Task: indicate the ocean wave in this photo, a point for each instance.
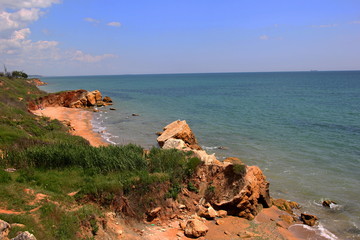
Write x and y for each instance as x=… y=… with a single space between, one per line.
x=333 y=206
x=318 y=232
x=98 y=126
x=214 y=148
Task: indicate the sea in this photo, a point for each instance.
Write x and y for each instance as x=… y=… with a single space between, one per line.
x=301 y=128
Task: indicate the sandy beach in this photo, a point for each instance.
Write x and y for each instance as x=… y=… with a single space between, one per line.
x=80 y=120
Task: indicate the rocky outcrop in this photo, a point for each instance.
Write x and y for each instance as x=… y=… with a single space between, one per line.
x=36 y=82
x=73 y=99
x=179 y=130
x=230 y=185
x=241 y=194
x=284 y=205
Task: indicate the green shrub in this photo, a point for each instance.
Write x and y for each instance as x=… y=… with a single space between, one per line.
x=239 y=169
x=173 y=191
x=191 y=187
x=192 y=164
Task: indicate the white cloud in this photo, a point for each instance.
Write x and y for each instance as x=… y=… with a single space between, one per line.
x=92 y=20
x=18 y=19
x=21 y=34
x=19 y=45
x=264 y=37
x=355 y=22
x=16 y=47
x=16 y=4
x=114 y=24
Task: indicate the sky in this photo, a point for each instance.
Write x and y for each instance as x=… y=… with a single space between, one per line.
x=103 y=37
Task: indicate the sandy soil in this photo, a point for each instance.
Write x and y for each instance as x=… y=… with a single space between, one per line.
x=80 y=120
x=265 y=226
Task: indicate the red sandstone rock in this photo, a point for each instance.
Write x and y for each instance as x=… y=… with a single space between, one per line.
x=72 y=99
x=195 y=228
x=37 y=82
x=239 y=195
x=107 y=99
x=309 y=219
x=179 y=130
x=233 y=160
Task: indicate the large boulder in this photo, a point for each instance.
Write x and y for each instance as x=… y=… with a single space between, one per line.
x=175 y=143
x=240 y=193
x=195 y=228
x=308 y=219
x=24 y=236
x=4 y=229
x=107 y=99
x=208 y=213
x=93 y=97
x=179 y=130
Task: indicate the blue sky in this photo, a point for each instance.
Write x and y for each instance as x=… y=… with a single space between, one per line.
x=86 y=37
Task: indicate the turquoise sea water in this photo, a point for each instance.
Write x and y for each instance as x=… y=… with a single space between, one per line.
x=301 y=128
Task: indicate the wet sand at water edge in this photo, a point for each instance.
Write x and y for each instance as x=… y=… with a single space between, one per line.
x=79 y=119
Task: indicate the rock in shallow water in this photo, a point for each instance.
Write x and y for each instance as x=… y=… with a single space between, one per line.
x=328 y=203
x=308 y=219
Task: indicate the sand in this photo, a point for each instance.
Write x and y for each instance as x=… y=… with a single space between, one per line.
x=80 y=120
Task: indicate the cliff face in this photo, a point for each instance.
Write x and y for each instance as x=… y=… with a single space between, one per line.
x=72 y=99
x=230 y=185
x=240 y=193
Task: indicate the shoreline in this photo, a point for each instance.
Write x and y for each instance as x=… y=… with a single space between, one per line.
x=80 y=121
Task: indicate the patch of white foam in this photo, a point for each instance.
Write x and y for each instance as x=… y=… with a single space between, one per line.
x=98 y=126
x=210 y=148
x=319 y=232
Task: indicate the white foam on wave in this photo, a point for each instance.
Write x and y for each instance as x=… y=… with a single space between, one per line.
x=332 y=205
x=210 y=148
x=319 y=231
x=98 y=126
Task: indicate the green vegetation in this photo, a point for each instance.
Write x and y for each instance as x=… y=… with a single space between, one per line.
x=239 y=169
x=19 y=74
x=19 y=128
x=52 y=162
x=98 y=175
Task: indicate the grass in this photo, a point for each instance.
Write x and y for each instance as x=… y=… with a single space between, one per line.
x=98 y=175
x=52 y=162
x=19 y=128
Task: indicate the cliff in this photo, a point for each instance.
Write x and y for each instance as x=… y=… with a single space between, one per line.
x=71 y=99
